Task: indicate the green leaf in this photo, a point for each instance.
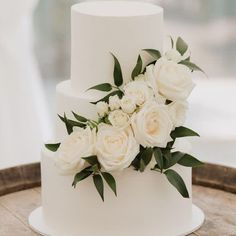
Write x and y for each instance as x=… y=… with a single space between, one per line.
x=92 y=160
x=142 y=165
x=117 y=73
x=156 y=168
x=69 y=127
x=170 y=145
x=85 y=173
x=191 y=66
x=52 y=146
x=154 y=53
x=189 y=161
x=176 y=180
x=145 y=158
x=110 y=181
x=106 y=120
x=138 y=68
x=94 y=168
x=71 y=123
x=79 y=117
x=106 y=98
x=147 y=155
x=182 y=131
x=172 y=42
x=76 y=124
x=166 y=158
x=158 y=157
x=173 y=159
x=61 y=118
x=181 y=46
x=98 y=182
x=106 y=87
x=136 y=162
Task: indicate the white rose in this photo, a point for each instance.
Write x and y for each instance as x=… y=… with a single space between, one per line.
x=128 y=104
x=172 y=80
x=114 y=102
x=139 y=91
x=173 y=55
x=116 y=149
x=177 y=111
x=152 y=125
x=102 y=108
x=151 y=80
x=78 y=144
x=119 y=119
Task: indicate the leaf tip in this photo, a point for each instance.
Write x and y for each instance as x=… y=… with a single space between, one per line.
x=186 y=195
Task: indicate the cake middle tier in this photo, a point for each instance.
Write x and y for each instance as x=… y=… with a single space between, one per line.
x=104 y=27
x=67 y=100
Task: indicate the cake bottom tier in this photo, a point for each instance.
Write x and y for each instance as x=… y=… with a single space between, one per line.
x=146 y=204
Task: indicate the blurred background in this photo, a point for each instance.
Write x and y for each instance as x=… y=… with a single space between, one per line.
x=41 y=34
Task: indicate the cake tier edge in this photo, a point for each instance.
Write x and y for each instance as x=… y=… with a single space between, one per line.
x=68 y=100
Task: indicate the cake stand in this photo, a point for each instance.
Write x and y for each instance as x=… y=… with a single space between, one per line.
x=37 y=223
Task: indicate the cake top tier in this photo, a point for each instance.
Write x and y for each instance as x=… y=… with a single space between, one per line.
x=117 y=8
x=100 y=28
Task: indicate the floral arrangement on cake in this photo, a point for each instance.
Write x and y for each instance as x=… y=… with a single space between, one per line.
x=138 y=123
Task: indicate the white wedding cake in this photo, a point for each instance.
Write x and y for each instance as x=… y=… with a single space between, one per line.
x=146 y=204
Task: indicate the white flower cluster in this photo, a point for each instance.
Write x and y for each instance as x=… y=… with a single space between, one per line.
x=153 y=104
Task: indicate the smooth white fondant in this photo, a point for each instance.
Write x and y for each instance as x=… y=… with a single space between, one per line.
x=117 y=8
x=124 y=32
x=146 y=202
x=67 y=100
x=38 y=224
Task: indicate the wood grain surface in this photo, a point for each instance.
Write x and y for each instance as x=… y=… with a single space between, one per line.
x=28 y=176
x=215 y=176
x=218 y=206
x=19 y=178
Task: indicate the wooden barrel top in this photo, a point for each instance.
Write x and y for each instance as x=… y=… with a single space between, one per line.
x=19 y=178
x=218 y=206
x=28 y=176
x=20 y=194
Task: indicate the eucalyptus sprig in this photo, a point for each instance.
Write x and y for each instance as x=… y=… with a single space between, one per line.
x=53 y=147
x=95 y=170
x=191 y=66
x=138 y=68
x=181 y=46
x=107 y=87
x=117 y=73
x=154 y=53
x=165 y=158
x=119 y=93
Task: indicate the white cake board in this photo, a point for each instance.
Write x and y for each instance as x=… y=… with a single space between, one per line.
x=37 y=223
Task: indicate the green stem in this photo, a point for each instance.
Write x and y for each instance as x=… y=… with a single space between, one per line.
x=118 y=88
x=91 y=124
x=94 y=122
x=115 y=87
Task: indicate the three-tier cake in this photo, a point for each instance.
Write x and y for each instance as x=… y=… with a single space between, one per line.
x=146 y=203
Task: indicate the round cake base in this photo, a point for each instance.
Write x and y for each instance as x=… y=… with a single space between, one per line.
x=37 y=223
